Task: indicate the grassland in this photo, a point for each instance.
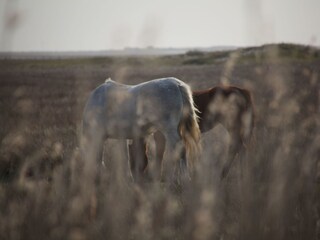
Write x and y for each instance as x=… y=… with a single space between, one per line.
x=43 y=191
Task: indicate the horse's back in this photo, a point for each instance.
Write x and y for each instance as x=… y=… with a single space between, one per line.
x=159 y=86
x=159 y=100
x=163 y=91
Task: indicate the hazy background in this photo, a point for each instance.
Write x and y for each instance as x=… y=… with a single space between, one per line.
x=60 y=25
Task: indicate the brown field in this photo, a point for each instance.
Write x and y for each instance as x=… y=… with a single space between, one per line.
x=43 y=190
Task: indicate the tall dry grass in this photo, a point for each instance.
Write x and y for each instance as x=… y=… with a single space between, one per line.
x=272 y=191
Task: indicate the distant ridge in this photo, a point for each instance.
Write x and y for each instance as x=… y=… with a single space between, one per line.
x=150 y=51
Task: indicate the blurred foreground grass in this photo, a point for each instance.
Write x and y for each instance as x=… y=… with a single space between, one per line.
x=43 y=190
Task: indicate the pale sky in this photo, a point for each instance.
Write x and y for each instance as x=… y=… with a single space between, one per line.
x=71 y=25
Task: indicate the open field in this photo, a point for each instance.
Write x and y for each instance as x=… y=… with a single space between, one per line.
x=43 y=192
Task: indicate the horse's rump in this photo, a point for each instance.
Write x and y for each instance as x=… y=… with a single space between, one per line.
x=232 y=107
x=229 y=105
x=246 y=117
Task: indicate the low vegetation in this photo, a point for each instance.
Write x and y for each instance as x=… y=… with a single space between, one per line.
x=272 y=191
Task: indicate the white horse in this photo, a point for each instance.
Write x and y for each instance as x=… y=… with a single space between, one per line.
x=120 y=111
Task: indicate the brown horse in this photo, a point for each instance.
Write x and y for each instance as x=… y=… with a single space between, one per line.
x=230 y=106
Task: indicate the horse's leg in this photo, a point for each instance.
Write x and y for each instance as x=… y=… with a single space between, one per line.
x=234 y=148
x=99 y=158
x=138 y=158
x=92 y=150
x=174 y=168
x=160 y=143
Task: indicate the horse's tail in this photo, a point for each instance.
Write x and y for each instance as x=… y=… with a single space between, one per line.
x=247 y=118
x=188 y=126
